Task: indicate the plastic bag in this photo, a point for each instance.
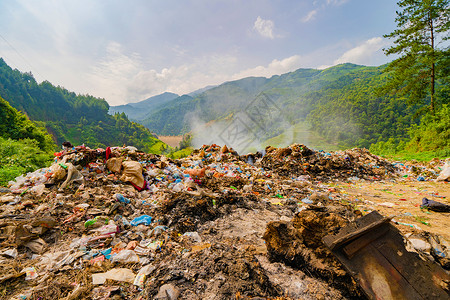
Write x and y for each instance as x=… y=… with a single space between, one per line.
x=445 y=173
x=73 y=175
x=57 y=170
x=38 y=189
x=107 y=229
x=126 y=256
x=144 y=219
x=434 y=205
x=132 y=172
x=118 y=274
x=121 y=198
x=178 y=187
x=194 y=236
x=19 y=181
x=31 y=273
x=168 y=291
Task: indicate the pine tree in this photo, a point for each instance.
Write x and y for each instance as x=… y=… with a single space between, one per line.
x=422 y=29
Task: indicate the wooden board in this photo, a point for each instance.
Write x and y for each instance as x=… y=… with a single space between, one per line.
x=361 y=226
x=377 y=259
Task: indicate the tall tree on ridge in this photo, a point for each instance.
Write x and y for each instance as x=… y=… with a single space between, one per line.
x=422 y=29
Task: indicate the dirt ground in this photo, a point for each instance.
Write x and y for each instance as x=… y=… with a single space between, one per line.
x=401 y=199
x=171 y=140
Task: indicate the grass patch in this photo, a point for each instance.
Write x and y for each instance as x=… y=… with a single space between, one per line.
x=158 y=147
x=418 y=156
x=180 y=153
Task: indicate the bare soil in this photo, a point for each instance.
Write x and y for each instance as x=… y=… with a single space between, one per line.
x=171 y=140
x=401 y=199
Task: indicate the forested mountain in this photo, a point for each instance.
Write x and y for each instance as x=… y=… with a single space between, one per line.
x=139 y=110
x=178 y=107
x=72 y=117
x=340 y=103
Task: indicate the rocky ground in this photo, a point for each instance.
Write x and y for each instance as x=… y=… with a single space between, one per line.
x=121 y=224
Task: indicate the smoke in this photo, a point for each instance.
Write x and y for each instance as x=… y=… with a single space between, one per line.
x=246 y=130
x=264 y=122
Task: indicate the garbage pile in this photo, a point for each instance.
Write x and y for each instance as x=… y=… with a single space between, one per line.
x=432 y=170
x=297 y=160
x=118 y=223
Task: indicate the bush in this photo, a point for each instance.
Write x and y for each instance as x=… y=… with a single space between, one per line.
x=16 y=125
x=20 y=156
x=432 y=134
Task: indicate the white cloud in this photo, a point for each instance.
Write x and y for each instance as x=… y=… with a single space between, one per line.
x=321 y=5
x=122 y=78
x=336 y=2
x=363 y=54
x=276 y=67
x=310 y=16
x=264 y=27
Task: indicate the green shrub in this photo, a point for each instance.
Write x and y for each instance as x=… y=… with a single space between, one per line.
x=20 y=156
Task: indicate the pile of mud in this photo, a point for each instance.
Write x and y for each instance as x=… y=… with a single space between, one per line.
x=117 y=223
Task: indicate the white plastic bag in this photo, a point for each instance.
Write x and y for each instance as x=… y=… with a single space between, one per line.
x=445 y=173
x=126 y=256
x=118 y=274
x=73 y=175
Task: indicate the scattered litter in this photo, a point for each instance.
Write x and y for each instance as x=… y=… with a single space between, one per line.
x=144 y=226
x=31 y=273
x=445 y=173
x=434 y=205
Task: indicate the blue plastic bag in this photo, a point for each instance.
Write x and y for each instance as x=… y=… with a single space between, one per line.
x=144 y=219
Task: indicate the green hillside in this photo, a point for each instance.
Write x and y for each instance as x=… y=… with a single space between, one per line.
x=17 y=126
x=339 y=107
x=72 y=117
x=339 y=103
x=24 y=147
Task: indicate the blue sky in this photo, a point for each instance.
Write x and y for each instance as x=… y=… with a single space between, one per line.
x=126 y=51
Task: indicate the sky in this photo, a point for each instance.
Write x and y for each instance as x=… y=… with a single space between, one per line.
x=126 y=51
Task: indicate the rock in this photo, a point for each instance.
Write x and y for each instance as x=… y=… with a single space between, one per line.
x=168 y=292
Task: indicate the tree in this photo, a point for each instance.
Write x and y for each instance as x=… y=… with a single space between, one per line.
x=422 y=31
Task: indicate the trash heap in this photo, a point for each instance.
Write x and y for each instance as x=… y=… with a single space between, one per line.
x=298 y=160
x=423 y=171
x=118 y=223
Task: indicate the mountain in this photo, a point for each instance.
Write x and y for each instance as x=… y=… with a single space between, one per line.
x=215 y=103
x=140 y=110
x=72 y=117
x=178 y=106
x=339 y=104
x=199 y=91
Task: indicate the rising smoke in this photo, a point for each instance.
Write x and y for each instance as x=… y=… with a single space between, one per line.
x=247 y=130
